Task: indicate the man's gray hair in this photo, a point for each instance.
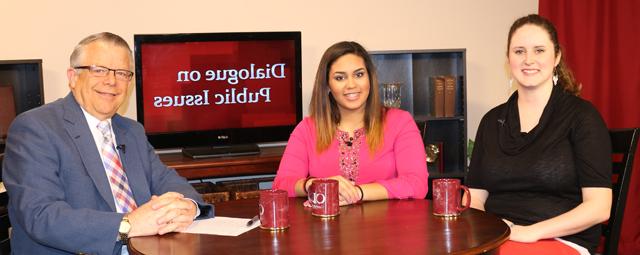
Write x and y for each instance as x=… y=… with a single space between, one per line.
x=102 y=37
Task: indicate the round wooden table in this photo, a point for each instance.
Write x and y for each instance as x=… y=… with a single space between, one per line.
x=381 y=227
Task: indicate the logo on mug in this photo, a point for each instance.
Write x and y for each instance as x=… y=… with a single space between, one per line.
x=318 y=198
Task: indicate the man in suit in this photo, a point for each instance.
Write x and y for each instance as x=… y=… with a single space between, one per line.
x=83 y=179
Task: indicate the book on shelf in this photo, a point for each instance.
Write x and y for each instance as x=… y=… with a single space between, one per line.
x=449 y=96
x=437 y=96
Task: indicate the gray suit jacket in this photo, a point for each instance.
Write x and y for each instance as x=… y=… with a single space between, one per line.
x=59 y=197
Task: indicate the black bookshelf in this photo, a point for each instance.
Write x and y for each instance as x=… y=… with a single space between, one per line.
x=414 y=69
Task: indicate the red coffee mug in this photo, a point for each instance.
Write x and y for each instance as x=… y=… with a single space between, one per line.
x=274 y=209
x=323 y=197
x=446 y=197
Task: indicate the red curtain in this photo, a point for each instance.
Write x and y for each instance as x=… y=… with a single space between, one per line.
x=601 y=44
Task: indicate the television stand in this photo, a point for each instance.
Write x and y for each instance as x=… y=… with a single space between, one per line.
x=221 y=151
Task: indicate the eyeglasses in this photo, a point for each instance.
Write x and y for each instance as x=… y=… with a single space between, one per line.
x=101 y=71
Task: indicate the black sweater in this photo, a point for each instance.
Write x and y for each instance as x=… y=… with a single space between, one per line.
x=538 y=175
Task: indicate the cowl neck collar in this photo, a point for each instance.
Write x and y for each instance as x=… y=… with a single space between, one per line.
x=511 y=140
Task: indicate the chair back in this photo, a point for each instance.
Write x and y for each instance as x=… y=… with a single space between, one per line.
x=5 y=225
x=623 y=144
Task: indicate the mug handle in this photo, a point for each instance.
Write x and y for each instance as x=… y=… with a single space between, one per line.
x=310 y=191
x=467 y=201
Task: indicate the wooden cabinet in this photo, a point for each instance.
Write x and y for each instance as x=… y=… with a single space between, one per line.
x=266 y=162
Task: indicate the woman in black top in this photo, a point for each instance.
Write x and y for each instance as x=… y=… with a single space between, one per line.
x=542 y=160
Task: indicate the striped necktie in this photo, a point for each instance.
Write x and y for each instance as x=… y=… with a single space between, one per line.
x=115 y=173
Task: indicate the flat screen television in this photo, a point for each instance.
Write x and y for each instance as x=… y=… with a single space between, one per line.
x=20 y=90
x=221 y=90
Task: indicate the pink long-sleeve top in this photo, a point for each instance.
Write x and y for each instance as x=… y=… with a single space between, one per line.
x=399 y=166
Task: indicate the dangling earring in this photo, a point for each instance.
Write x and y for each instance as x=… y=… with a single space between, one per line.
x=510 y=88
x=555 y=79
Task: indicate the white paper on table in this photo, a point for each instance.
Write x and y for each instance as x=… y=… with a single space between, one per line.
x=223 y=226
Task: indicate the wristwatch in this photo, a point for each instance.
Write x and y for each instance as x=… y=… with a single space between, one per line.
x=124 y=229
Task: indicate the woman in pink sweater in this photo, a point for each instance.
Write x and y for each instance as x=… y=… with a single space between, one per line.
x=374 y=152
